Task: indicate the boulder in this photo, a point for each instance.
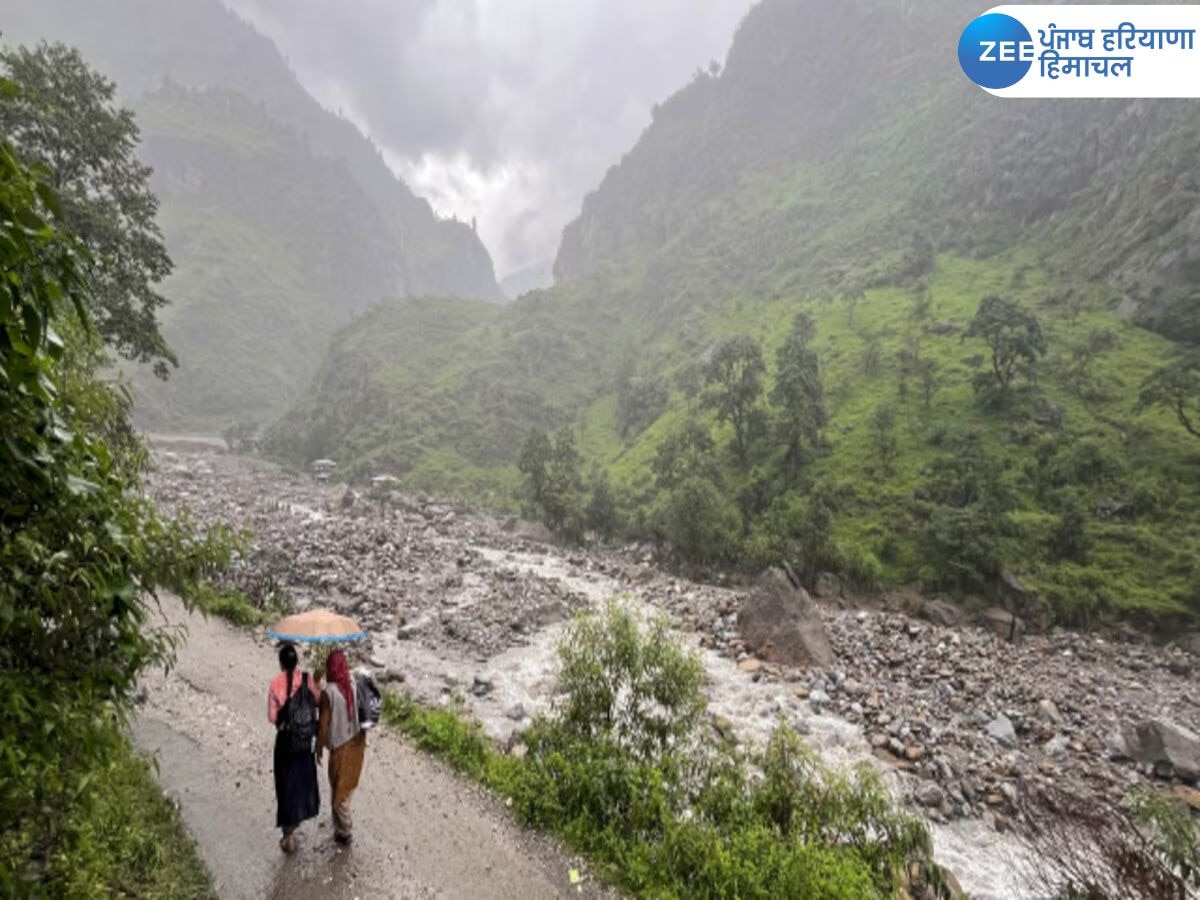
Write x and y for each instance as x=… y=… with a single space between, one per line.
x=1000 y=622
x=928 y=793
x=780 y=622
x=827 y=586
x=1190 y=643
x=1165 y=744
x=533 y=531
x=940 y=612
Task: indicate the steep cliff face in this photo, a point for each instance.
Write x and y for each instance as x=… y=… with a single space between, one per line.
x=282 y=219
x=838 y=135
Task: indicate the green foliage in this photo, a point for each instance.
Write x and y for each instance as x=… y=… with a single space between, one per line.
x=602 y=514
x=734 y=376
x=798 y=395
x=1015 y=339
x=62 y=117
x=534 y=463
x=700 y=523
x=883 y=437
x=1174 y=835
x=129 y=842
x=628 y=684
x=555 y=486
x=687 y=452
x=1175 y=387
x=621 y=770
x=961 y=549
x=233 y=605
x=640 y=400
x=797 y=531
x=79 y=547
x=1069 y=539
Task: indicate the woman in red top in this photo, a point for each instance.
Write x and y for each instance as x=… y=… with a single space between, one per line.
x=296 y=793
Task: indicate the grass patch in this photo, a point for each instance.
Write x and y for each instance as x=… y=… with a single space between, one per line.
x=121 y=838
x=234 y=606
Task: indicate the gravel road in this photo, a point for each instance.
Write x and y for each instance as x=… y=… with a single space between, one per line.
x=420 y=831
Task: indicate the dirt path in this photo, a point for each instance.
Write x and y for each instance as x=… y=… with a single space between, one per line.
x=419 y=830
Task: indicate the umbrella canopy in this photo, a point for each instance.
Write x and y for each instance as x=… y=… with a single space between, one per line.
x=316 y=626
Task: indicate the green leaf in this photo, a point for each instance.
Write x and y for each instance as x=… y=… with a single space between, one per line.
x=49 y=199
x=81 y=486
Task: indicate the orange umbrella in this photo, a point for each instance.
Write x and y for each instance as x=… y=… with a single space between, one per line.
x=316 y=626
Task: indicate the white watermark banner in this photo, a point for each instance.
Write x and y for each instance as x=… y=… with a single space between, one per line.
x=1084 y=51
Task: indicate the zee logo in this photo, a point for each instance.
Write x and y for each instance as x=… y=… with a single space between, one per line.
x=1006 y=51
x=995 y=51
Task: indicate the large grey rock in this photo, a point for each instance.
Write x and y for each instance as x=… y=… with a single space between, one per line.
x=940 y=612
x=927 y=793
x=1190 y=643
x=1164 y=743
x=781 y=623
x=1000 y=622
x=827 y=586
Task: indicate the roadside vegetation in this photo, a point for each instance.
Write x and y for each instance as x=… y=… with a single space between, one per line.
x=81 y=551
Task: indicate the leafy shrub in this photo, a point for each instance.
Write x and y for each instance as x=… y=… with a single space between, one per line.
x=639 y=402
x=105 y=849
x=797 y=531
x=80 y=548
x=961 y=548
x=701 y=524
x=1078 y=595
x=1069 y=538
x=622 y=770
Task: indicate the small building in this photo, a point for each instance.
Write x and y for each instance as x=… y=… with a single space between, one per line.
x=322 y=468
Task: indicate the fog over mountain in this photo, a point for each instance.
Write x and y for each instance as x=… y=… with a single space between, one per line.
x=505 y=111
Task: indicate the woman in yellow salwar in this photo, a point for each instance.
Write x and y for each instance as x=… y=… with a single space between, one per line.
x=339 y=731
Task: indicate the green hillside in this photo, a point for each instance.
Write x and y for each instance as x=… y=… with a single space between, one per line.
x=274 y=247
x=840 y=166
x=281 y=218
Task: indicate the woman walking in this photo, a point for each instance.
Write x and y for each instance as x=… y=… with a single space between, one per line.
x=292 y=709
x=347 y=742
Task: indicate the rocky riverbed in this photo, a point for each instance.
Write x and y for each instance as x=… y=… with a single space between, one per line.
x=468 y=604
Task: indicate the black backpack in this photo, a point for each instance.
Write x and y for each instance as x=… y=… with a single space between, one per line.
x=299 y=718
x=370 y=701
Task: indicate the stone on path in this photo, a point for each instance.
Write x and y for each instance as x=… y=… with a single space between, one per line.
x=1001 y=728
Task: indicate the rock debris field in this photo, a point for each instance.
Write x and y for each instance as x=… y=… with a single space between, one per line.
x=468 y=606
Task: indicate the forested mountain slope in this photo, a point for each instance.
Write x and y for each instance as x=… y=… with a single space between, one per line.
x=309 y=227
x=840 y=166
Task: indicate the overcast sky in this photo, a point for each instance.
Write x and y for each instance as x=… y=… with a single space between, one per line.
x=504 y=110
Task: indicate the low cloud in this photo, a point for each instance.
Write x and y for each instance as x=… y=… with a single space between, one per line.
x=506 y=111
